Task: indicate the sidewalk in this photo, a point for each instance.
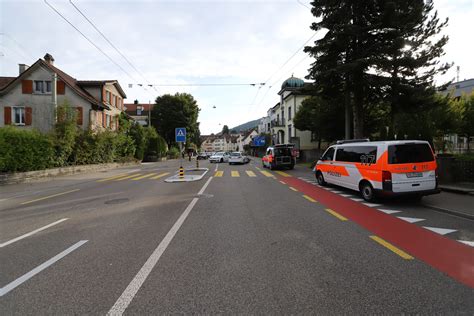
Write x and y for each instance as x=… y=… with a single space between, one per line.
x=459 y=187
x=454 y=203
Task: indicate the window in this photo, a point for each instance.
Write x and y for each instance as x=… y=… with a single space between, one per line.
x=113 y=100
x=329 y=154
x=409 y=153
x=107 y=120
x=289 y=114
x=18 y=115
x=289 y=132
x=139 y=110
x=42 y=86
x=361 y=154
x=107 y=96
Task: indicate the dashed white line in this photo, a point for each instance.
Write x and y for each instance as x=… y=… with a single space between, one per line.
x=441 y=231
x=357 y=199
x=388 y=211
x=25 y=277
x=411 y=219
x=372 y=204
x=11 y=241
x=466 y=242
x=129 y=293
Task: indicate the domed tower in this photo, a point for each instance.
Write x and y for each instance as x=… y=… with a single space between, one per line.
x=292 y=83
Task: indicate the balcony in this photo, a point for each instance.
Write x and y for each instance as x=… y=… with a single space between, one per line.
x=278 y=123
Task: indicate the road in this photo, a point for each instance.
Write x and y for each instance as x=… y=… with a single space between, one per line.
x=241 y=240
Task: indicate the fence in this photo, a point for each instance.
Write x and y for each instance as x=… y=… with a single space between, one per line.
x=451 y=170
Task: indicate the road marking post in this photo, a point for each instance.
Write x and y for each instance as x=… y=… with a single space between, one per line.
x=391 y=247
x=25 y=277
x=11 y=241
x=49 y=196
x=333 y=213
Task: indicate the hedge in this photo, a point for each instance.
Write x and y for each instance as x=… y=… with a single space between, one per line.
x=25 y=150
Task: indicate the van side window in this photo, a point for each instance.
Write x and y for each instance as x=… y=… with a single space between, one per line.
x=329 y=154
x=360 y=154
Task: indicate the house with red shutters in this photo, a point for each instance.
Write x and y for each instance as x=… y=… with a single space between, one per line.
x=140 y=112
x=29 y=100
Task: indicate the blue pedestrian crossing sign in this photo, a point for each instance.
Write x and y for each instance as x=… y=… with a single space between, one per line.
x=180 y=134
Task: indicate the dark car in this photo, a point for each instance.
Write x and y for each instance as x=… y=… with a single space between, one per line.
x=279 y=156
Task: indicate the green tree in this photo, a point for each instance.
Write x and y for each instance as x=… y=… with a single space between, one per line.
x=172 y=111
x=323 y=119
x=64 y=133
x=465 y=109
x=137 y=133
x=408 y=55
x=225 y=130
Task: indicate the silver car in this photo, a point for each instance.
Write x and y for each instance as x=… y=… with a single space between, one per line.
x=219 y=157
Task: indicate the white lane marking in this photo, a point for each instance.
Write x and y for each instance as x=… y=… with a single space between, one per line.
x=441 y=231
x=204 y=186
x=346 y=195
x=411 y=219
x=129 y=293
x=469 y=243
x=388 y=211
x=337 y=192
x=357 y=199
x=217 y=166
x=11 y=241
x=25 y=277
x=372 y=204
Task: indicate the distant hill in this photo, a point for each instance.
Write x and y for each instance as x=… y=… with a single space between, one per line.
x=245 y=126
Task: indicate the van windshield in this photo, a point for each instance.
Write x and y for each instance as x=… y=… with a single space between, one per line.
x=409 y=153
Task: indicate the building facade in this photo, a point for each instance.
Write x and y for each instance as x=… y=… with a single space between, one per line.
x=140 y=112
x=30 y=100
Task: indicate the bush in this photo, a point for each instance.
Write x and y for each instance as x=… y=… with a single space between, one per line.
x=64 y=134
x=138 y=134
x=156 y=145
x=173 y=153
x=24 y=150
x=125 y=147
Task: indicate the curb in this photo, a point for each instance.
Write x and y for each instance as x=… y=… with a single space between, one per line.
x=444 y=210
x=453 y=190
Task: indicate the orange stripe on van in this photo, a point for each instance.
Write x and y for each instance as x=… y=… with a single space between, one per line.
x=331 y=168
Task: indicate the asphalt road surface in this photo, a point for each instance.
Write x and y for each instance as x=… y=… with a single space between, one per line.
x=241 y=240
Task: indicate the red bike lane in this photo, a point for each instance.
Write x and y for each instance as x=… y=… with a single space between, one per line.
x=446 y=255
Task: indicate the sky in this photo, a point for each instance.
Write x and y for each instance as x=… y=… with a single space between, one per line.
x=191 y=42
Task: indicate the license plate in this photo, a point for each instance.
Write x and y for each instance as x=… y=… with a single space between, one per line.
x=414 y=175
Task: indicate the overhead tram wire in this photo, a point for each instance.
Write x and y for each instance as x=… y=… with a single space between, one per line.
x=89 y=40
x=204 y=84
x=110 y=43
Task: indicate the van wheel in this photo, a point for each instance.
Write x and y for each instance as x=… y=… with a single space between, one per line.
x=367 y=191
x=320 y=178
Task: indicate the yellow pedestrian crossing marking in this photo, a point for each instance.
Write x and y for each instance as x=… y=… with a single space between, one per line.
x=127 y=177
x=144 y=176
x=309 y=199
x=219 y=173
x=112 y=178
x=160 y=175
x=284 y=174
x=250 y=173
x=234 y=173
x=267 y=174
x=342 y=218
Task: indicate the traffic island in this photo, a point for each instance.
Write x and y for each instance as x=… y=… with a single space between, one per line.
x=190 y=174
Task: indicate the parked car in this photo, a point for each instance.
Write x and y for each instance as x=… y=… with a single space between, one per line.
x=237 y=158
x=279 y=156
x=390 y=168
x=202 y=156
x=219 y=157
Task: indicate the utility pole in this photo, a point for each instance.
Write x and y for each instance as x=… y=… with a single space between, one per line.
x=149 y=113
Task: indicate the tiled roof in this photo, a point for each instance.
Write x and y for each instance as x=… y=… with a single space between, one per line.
x=4 y=81
x=133 y=106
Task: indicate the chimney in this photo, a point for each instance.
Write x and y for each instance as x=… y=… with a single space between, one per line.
x=22 y=68
x=49 y=59
x=135 y=102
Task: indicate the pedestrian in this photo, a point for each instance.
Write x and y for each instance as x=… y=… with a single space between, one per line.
x=182 y=154
x=189 y=155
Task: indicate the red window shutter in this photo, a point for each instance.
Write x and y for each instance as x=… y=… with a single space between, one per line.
x=27 y=86
x=61 y=87
x=7 y=115
x=28 y=115
x=104 y=95
x=103 y=119
x=79 y=115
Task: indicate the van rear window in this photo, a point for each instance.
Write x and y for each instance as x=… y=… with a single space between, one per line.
x=282 y=151
x=409 y=153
